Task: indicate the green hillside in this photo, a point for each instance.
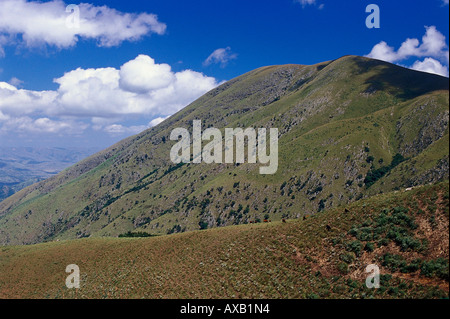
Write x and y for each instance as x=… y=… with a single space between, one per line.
x=405 y=233
x=348 y=129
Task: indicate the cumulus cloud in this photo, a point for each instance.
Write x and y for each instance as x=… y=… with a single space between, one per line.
x=121 y=129
x=430 y=65
x=140 y=88
x=40 y=125
x=117 y=129
x=142 y=75
x=433 y=44
x=220 y=56
x=156 y=121
x=382 y=51
x=35 y=23
x=17 y=102
x=433 y=48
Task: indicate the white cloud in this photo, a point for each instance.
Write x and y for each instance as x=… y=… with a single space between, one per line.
x=445 y=2
x=15 y=82
x=3 y=42
x=3 y=117
x=15 y=101
x=433 y=44
x=46 y=125
x=7 y=86
x=433 y=48
x=221 y=55
x=382 y=51
x=35 y=23
x=156 y=121
x=430 y=65
x=40 y=125
x=142 y=75
x=120 y=129
x=140 y=88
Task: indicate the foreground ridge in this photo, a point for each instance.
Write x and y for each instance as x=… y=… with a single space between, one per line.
x=405 y=233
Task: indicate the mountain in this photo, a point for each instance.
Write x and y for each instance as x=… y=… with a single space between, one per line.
x=349 y=129
x=23 y=166
x=405 y=233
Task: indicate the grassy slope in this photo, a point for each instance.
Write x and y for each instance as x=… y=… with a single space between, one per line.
x=327 y=115
x=297 y=259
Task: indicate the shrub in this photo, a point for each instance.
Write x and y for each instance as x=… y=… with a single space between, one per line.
x=355 y=246
x=347 y=257
x=436 y=268
x=413 y=266
x=369 y=247
x=385 y=278
x=375 y=174
x=383 y=242
x=136 y=234
x=365 y=234
x=343 y=267
x=393 y=262
x=393 y=291
x=203 y=225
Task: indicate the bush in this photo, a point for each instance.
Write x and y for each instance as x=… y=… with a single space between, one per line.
x=365 y=234
x=412 y=267
x=203 y=225
x=383 y=242
x=384 y=279
x=343 y=268
x=136 y=234
x=370 y=159
x=355 y=246
x=375 y=174
x=393 y=262
x=347 y=257
x=393 y=291
x=409 y=243
x=436 y=268
x=369 y=247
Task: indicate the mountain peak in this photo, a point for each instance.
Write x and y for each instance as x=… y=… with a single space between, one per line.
x=348 y=129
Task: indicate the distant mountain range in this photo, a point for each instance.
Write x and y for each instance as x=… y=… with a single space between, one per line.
x=23 y=166
x=349 y=129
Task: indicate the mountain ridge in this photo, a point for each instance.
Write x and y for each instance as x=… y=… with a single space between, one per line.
x=335 y=108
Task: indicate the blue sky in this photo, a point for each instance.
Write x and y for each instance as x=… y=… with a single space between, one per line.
x=130 y=64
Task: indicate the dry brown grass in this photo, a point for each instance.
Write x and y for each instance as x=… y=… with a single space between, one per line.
x=296 y=259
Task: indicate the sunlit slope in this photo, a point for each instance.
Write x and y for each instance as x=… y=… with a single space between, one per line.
x=405 y=233
x=339 y=122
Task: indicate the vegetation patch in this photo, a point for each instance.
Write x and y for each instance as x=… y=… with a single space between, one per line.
x=136 y=234
x=375 y=174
